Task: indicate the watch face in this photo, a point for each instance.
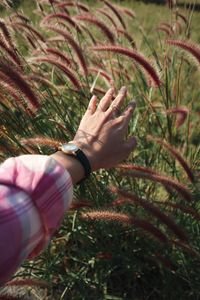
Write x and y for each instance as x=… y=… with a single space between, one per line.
x=69 y=148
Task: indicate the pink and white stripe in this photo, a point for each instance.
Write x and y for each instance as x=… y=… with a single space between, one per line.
x=35 y=191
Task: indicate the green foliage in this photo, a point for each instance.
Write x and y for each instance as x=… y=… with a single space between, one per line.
x=95 y=258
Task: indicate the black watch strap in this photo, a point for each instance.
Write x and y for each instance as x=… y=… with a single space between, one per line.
x=73 y=150
x=85 y=163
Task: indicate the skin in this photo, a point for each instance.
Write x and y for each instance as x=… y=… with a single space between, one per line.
x=101 y=135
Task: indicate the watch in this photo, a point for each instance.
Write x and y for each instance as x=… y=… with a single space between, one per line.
x=72 y=149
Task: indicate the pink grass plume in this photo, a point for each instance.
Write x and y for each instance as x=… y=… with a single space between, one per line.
x=176 y=155
x=104 y=12
x=154 y=210
x=74 y=4
x=60 y=65
x=190 y=47
x=137 y=57
x=181 y=114
x=61 y=16
x=115 y=10
x=69 y=38
x=41 y=141
x=15 y=78
x=92 y=19
x=125 y=220
x=147 y=173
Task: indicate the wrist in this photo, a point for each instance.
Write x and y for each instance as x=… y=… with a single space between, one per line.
x=71 y=164
x=87 y=150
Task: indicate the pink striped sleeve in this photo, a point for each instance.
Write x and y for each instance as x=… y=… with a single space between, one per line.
x=35 y=191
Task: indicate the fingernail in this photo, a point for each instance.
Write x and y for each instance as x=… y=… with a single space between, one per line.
x=123 y=89
x=112 y=83
x=130 y=109
x=93 y=97
x=132 y=104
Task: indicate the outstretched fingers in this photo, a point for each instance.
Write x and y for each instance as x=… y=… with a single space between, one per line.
x=118 y=101
x=106 y=100
x=92 y=105
x=106 y=103
x=128 y=113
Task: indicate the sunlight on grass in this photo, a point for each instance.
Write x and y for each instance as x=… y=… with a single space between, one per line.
x=132 y=232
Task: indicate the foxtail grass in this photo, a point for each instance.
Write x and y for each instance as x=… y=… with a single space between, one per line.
x=127 y=36
x=73 y=44
x=176 y=155
x=190 y=47
x=40 y=80
x=77 y=5
x=155 y=211
x=104 y=12
x=21 y=17
x=116 y=12
x=41 y=141
x=103 y=73
x=10 y=53
x=129 y=12
x=28 y=282
x=137 y=57
x=92 y=19
x=187 y=210
x=182 y=17
x=61 y=16
x=78 y=204
x=165 y=29
x=181 y=114
x=28 y=28
x=59 y=54
x=13 y=96
x=60 y=65
x=15 y=78
x=89 y=33
x=125 y=220
x=6 y=34
x=147 y=173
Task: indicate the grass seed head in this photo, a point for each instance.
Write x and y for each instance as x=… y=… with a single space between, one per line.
x=156 y=212
x=181 y=113
x=60 y=65
x=100 y=24
x=61 y=16
x=115 y=10
x=74 y=45
x=74 y=4
x=41 y=141
x=137 y=57
x=152 y=175
x=16 y=78
x=108 y=16
x=173 y=151
x=190 y=47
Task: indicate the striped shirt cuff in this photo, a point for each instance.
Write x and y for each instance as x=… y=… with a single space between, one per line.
x=49 y=187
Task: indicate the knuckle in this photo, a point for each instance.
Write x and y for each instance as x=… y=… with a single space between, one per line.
x=119 y=120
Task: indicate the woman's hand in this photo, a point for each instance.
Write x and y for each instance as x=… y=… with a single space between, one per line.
x=101 y=133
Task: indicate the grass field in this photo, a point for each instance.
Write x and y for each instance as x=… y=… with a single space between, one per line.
x=156 y=54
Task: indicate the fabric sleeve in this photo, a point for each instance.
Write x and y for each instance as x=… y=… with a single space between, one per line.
x=35 y=191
